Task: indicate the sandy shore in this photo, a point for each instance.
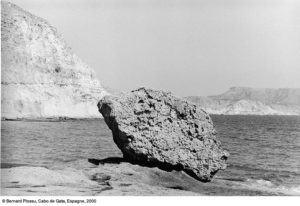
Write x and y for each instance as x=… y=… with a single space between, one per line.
x=114 y=177
x=106 y=179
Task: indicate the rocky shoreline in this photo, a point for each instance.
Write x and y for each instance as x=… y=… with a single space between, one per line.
x=113 y=178
x=169 y=144
x=116 y=177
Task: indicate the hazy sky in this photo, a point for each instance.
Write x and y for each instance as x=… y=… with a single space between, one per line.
x=188 y=47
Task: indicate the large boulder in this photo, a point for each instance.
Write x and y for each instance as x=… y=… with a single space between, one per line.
x=154 y=128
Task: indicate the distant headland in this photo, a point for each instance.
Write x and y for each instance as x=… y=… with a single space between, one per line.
x=252 y=101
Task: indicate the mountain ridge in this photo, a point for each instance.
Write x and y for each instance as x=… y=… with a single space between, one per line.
x=288 y=96
x=256 y=101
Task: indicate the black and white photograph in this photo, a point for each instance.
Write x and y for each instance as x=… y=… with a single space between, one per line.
x=150 y=98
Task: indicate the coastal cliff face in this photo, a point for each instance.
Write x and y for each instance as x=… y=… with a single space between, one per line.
x=243 y=100
x=41 y=76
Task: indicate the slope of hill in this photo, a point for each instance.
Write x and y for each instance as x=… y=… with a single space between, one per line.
x=41 y=76
x=282 y=96
x=244 y=100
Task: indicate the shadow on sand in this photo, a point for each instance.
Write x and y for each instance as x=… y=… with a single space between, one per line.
x=109 y=160
x=163 y=166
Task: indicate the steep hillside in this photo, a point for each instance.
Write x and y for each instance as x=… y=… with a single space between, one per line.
x=282 y=96
x=41 y=76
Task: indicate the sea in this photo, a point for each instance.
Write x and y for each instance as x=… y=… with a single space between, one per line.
x=264 y=150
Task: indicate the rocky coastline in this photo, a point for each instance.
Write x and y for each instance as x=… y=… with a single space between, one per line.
x=169 y=144
x=105 y=179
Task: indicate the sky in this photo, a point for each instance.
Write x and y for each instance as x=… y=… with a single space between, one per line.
x=188 y=47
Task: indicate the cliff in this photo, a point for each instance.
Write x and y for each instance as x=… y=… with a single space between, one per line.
x=244 y=100
x=41 y=76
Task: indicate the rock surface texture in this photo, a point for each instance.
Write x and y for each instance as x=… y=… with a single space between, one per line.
x=41 y=76
x=154 y=128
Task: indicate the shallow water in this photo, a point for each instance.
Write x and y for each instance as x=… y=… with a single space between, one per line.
x=265 y=150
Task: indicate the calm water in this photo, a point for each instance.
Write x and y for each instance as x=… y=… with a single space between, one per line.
x=265 y=150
